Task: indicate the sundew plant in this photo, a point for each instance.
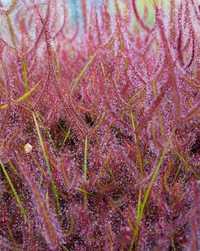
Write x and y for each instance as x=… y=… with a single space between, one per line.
x=99 y=125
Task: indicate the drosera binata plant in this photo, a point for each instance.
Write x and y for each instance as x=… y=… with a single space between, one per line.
x=99 y=126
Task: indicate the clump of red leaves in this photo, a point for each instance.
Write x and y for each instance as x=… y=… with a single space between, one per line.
x=99 y=127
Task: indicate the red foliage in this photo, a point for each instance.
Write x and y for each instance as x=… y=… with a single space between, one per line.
x=110 y=113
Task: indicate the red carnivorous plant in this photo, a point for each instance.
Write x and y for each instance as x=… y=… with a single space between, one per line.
x=99 y=126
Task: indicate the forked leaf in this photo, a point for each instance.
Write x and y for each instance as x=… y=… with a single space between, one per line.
x=22 y=98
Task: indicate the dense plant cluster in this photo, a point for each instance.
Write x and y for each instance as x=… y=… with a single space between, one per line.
x=99 y=127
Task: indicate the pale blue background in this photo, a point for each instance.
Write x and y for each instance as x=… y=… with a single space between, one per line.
x=75 y=6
